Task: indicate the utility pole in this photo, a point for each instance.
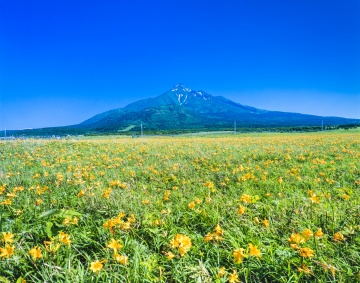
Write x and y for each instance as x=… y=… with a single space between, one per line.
x=5 y=131
x=322 y=124
x=141 y=126
x=234 y=127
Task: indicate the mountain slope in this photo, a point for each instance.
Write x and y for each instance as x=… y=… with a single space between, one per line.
x=184 y=108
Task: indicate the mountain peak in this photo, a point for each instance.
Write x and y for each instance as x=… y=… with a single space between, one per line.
x=184 y=108
x=184 y=94
x=181 y=88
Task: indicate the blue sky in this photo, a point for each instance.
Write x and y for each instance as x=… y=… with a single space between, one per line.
x=62 y=62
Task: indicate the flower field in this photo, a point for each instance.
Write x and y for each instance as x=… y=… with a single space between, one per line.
x=245 y=208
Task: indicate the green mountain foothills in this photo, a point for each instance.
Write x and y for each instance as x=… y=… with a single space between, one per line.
x=182 y=109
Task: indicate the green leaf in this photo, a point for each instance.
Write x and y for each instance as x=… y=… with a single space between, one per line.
x=49 y=213
x=72 y=213
x=255 y=199
x=153 y=230
x=49 y=225
x=4 y=280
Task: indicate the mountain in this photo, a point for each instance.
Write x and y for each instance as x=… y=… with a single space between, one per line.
x=184 y=108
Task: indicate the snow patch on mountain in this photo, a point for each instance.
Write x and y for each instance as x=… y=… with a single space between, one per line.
x=183 y=94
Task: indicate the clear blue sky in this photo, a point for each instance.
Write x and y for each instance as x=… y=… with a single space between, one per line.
x=62 y=62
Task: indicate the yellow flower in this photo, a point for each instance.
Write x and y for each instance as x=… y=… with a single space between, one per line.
x=218 y=230
x=70 y=221
x=306 y=252
x=184 y=249
x=319 y=233
x=81 y=193
x=216 y=236
x=2 y=189
x=208 y=237
x=66 y=221
x=164 y=211
x=254 y=251
x=266 y=223
x=106 y=193
x=50 y=247
x=209 y=184
x=338 y=237
x=132 y=218
x=123 y=259
x=245 y=198
x=35 y=253
x=241 y=210
x=233 y=278
x=38 y=201
x=114 y=244
x=307 y=233
x=257 y=221
x=166 y=195
x=239 y=255
x=64 y=238
x=96 y=266
x=145 y=201
x=8 y=237
x=191 y=205
x=296 y=239
x=170 y=255
x=158 y=222
x=315 y=199
x=345 y=197
x=221 y=272
x=294 y=246
x=6 y=202
x=182 y=242
x=11 y=195
x=74 y=221
x=7 y=252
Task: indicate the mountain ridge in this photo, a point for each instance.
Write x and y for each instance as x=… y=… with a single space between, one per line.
x=184 y=108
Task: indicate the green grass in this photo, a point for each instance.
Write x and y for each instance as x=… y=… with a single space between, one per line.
x=127 y=128
x=155 y=180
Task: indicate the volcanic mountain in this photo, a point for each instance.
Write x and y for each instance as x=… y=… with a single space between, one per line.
x=184 y=108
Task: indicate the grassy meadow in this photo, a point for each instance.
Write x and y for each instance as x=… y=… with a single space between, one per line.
x=244 y=208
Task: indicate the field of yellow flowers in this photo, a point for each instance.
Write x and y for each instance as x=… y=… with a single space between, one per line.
x=244 y=208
